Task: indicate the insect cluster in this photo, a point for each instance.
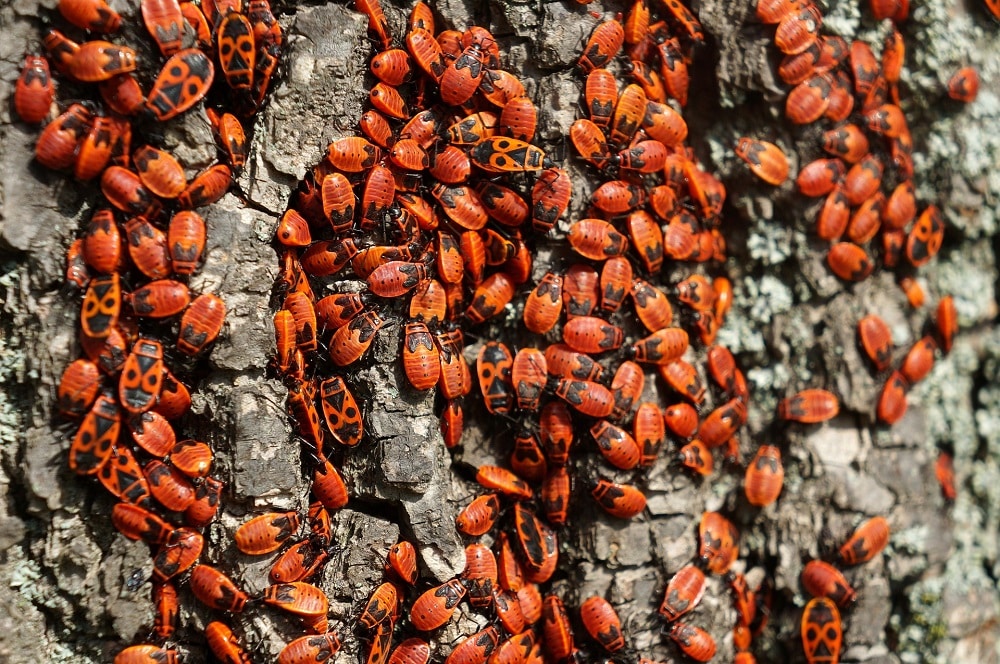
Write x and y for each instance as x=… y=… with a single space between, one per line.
x=867 y=180
x=434 y=214
x=124 y=391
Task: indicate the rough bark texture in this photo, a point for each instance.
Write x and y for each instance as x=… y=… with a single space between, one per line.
x=932 y=597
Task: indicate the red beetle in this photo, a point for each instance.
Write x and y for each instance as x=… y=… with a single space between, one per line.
x=436 y=606
x=683 y=592
x=602 y=623
x=821 y=579
x=809 y=406
x=764 y=477
x=822 y=634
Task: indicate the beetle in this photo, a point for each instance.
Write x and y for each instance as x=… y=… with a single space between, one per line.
x=809 y=406
x=602 y=623
x=402 y=561
x=590 y=144
x=266 y=533
x=651 y=305
x=186 y=240
x=123 y=94
x=847 y=142
x=684 y=591
x=868 y=540
x=963 y=85
x=544 y=304
x=600 y=93
x=504 y=481
x=102 y=243
x=490 y=298
x=766 y=160
x=626 y=387
x=170 y=487
x=764 y=477
x=299 y=598
x=555 y=494
x=382 y=605
x=834 y=216
x=892 y=401
x=674 y=69
x=476 y=647
x=602 y=46
x=556 y=429
x=152 y=433
x=821 y=579
x=616 y=445
x=684 y=379
x=596 y=239
x=508 y=611
x=849 y=261
x=99 y=60
x=34 y=91
x=142 y=376
x=350 y=342
x=147 y=247
x=589 y=334
x=182 y=82
x=863 y=179
x=901 y=207
x=94 y=439
x=479 y=575
x=695 y=642
x=216 y=590
x=207 y=187
x=808 y=100
x=328 y=486
x=310 y=648
x=623 y=501
x=718 y=542
x=411 y=651
x=697 y=457
x=436 y=606
x=78 y=388
x=501 y=154
x=556 y=628
x=876 y=340
x=137 y=523
x=550 y=197
x=820 y=177
x=821 y=630
x=628 y=116
x=661 y=347
x=926 y=237
x=147 y=654
x=537 y=543
x=946 y=320
x=478 y=516
x=201 y=323
x=298 y=562
x=191 y=457
x=207 y=497
x=165 y=23
x=493 y=367
x=649 y=432
x=420 y=356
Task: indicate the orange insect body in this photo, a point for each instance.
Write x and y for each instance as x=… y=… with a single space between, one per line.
x=683 y=593
x=764 y=477
x=867 y=541
x=436 y=606
x=809 y=406
x=821 y=579
x=822 y=633
x=766 y=160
